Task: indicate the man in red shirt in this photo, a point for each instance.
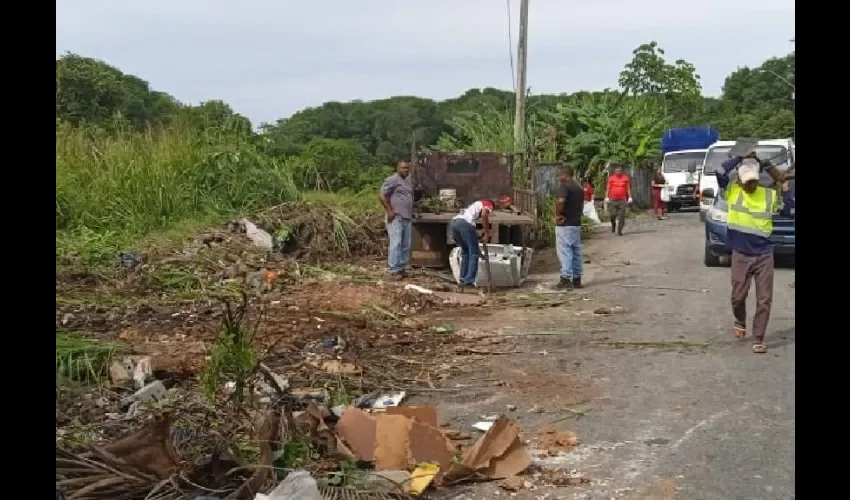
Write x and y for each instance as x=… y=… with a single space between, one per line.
x=618 y=196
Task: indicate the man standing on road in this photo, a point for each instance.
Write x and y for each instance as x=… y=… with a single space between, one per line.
x=396 y=196
x=749 y=226
x=618 y=196
x=569 y=207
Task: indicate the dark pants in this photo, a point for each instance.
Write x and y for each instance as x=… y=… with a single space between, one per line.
x=617 y=212
x=746 y=269
x=467 y=239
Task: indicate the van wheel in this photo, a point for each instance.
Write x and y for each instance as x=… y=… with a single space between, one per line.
x=710 y=259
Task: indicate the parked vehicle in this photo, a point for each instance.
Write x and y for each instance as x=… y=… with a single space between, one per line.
x=783 y=237
x=781 y=150
x=684 y=152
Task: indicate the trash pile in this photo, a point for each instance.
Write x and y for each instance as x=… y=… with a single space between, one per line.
x=288 y=445
x=275 y=249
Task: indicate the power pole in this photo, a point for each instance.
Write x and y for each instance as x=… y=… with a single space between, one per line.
x=521 y=59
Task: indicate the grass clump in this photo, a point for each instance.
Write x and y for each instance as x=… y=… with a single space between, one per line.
x=82 y=359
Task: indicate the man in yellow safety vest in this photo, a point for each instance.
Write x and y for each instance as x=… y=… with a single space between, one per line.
x=749 y=225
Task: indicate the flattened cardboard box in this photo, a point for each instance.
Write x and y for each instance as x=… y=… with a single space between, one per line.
x=395 y=439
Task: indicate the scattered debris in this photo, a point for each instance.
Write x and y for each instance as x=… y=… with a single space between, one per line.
x=513 y=483
x=552 y=441
x=256 y=235
x=154 y=390
x=298 y=485
x=679 y=289
x=417 y=288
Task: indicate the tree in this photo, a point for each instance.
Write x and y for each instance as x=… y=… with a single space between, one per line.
x=648 y=73
x=767 y=87
x=91 y=91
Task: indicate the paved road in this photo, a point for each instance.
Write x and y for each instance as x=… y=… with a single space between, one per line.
x=677 y=421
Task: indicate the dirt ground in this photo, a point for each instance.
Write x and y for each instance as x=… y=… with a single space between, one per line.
x=639 y=365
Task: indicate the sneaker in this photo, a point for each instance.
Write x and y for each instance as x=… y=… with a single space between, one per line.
x=577 y=283
x=564 y=284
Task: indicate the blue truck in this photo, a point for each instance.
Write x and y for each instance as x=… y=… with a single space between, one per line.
x=684 y=151
x=781 y=155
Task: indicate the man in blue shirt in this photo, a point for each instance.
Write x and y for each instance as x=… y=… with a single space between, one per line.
x=749 y=225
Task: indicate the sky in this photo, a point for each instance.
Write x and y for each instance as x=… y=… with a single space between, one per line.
x=271 y=58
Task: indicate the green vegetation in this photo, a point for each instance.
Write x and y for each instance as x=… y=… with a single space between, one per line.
x=135 y=166
x=82 y=359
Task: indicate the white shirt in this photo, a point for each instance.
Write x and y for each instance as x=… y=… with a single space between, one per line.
x=472 y=212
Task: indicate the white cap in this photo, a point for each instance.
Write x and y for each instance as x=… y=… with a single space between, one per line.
x=748 y=170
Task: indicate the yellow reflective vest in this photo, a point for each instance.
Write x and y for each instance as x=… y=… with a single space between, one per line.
x=751 y=213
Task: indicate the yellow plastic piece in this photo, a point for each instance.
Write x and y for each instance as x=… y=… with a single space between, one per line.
x=422 y=476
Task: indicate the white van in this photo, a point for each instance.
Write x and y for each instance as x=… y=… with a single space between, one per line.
x=778 y=151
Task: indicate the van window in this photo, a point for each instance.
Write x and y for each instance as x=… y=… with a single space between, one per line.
x=778 y=155
x=678 y=162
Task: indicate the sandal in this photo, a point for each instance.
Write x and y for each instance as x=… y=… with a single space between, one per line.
x=739 y=331
x=759 y=348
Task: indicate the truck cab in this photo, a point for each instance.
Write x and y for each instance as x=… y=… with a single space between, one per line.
x=681 y=172
x=684 y=151
x=780 y=152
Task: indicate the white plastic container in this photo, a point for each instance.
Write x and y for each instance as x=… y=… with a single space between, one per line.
x=509 y=265
x=448 y=195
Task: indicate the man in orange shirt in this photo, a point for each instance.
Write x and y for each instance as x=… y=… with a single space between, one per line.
x=618 y=196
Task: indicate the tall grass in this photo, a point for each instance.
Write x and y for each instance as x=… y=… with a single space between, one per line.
x=139 y=182
x=82 y=359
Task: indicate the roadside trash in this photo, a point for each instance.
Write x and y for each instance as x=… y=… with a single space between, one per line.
x=417 y=288
x=379 y=401
x=257 y=235
x=482 y=426
x=388 y=481
x=130 y=260
x=509 y=265
x=498 y=454
x=486 y=422
x=423 y=476
x=552 y=441
x=338 y=409
x=312 y=421
x=137 y=368
x=298 y=485
x=154 y=390
x=393 y=439
x=149 y=450
x=513 y=483
x=337 y=343
x=336 y=366
x=261 y=280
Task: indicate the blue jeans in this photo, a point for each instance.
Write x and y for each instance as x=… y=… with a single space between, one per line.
x=467 y=239
x=399 y=253
x=568 y=244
